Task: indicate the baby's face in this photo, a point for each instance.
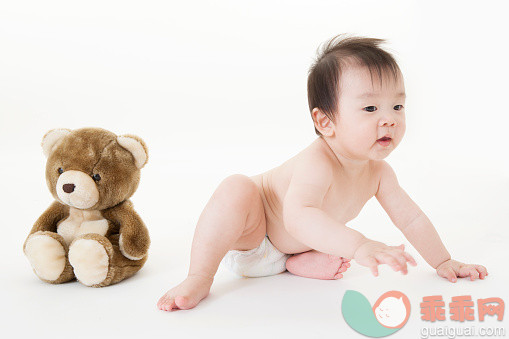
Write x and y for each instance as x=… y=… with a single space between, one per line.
x=369 y=112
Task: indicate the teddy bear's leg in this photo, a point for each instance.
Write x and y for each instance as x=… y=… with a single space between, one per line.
x=123 y=267
x=47 y=253
x=97 y=261
x=90 y=256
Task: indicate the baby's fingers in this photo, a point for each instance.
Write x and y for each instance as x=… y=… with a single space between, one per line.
x=473 y=273
x=482 y=271
x=469 y=270
x=447 y=273
x=402 y=261
x=410 y=259
x=386 y=258
x=406 y=257
x=372 y=263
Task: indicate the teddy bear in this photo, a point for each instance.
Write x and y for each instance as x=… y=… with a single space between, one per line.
x=91 y=231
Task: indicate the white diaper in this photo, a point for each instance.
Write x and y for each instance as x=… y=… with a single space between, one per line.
x=259 y=262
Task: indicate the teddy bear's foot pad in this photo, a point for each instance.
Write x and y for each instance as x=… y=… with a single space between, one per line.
x=46 y=255
x=89 y=260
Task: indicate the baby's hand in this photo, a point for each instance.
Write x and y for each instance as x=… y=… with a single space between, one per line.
x=374 y=253
x=451 y=269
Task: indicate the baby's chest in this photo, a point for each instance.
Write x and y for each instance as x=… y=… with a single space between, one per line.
x=345 y=200
x=82 y=222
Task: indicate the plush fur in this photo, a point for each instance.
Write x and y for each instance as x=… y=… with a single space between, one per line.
x=97 y=238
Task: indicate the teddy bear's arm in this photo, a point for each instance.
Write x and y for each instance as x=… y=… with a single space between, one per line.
x=49 y=219
x=134 y=238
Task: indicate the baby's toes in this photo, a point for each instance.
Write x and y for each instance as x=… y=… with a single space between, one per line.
x=338 y=265
x=165 y=297
x=346 y=264
x=169 y=305
x=166 y=303
x=338 y=276
x=161 y=302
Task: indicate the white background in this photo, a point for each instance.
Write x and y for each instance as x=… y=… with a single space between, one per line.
x=217 y=88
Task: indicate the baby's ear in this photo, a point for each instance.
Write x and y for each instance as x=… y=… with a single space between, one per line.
x=322 y=122
x=136 y=146
x=51 y=139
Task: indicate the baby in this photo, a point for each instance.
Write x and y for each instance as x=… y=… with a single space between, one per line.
x=357 y=101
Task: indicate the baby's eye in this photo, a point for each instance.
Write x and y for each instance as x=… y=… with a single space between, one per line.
x=398 y=107
x=370 y=108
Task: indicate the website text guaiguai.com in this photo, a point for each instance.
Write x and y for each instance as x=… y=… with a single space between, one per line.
x=458 y=332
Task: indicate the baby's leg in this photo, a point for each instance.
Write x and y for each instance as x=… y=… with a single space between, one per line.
x=233 y=219
x=317 y=265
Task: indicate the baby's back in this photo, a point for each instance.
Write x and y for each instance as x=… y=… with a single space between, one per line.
x=343 y=201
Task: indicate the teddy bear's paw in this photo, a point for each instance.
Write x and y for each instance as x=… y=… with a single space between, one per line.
x=90 y=261
x=46 y=255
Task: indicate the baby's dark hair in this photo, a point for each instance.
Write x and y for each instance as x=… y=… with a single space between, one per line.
x=325 y=73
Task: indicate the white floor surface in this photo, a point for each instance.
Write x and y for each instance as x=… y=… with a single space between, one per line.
x=472 y=221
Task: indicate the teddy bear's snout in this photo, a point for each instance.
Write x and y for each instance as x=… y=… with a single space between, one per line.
x=77 y=189
x=68 y=188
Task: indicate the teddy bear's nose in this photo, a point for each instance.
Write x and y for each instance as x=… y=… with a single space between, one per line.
x=68 y=188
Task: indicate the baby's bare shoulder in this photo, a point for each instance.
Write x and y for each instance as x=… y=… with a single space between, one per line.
x=311 y=178
x=380 y=168
x=314 y=164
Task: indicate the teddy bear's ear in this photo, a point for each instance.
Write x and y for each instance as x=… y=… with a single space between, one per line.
x=136 y=146
x=52 y=138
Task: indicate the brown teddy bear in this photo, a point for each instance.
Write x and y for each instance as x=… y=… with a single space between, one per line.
x=91 y=231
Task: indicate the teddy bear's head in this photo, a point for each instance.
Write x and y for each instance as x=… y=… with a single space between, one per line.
x=91 y=168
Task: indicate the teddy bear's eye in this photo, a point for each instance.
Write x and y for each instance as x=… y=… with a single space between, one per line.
x=60 y=170
x=96 y=177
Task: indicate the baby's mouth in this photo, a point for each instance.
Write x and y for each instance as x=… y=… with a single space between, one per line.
x=385 y=141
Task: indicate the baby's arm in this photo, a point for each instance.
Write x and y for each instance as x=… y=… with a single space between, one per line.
x=418 y=229
x=305 y=220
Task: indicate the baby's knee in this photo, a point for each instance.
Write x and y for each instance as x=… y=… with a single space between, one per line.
x=239 y=189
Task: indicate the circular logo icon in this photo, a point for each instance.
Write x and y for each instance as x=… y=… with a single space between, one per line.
x=389 y=313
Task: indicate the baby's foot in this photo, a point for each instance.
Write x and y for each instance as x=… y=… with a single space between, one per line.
x=317 y=265
x=187 y=294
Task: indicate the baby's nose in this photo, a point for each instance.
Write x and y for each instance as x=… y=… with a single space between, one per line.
x=388 y=123
x=68 y=188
